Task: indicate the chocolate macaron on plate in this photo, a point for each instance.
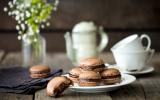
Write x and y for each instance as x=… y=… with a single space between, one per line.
x=125 y=80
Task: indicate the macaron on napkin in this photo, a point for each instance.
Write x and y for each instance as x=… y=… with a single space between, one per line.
x=17 y=80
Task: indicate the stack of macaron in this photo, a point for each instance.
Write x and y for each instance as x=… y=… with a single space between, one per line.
x=92 y=72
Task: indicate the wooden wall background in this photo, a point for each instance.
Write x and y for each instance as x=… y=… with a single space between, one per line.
x=119 y=17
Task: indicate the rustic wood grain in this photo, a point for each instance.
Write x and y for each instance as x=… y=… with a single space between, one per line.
x=1 y=55
x=12 y=58
x=133 y=91
x=69 y=95
x=11 y=96
x=151 y=84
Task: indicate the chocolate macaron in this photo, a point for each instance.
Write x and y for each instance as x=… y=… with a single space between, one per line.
x=89 y=78
x=57 y=85
x=39 y=71
x=74 y=74
x=111 y=76
x=92 y=64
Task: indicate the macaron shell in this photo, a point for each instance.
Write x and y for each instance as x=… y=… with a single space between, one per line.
x=88 y=83
x=39 y=68
x=111 y=80
x=91 y=62
x=75 y=71
x=57 y=85
x=39 y=71
x=110 y=72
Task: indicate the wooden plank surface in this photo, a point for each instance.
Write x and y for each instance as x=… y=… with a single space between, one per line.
x=147 y=87
x=13 y=59
x=11 y=96
x=151 y=84
x=1 y=55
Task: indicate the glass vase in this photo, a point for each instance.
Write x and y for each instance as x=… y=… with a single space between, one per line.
x=33 y=53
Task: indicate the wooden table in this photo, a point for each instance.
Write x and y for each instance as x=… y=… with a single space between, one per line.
x=146 y=87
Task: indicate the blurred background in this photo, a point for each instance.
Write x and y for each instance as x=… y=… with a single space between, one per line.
x=120 y=18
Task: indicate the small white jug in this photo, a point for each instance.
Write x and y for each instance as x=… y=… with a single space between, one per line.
x=82 y=43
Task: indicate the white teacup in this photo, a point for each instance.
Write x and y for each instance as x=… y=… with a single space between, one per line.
x=132 y=61
x=132 y=43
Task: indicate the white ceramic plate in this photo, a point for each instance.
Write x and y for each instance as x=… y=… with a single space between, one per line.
x=126 y=79
x=147 y=69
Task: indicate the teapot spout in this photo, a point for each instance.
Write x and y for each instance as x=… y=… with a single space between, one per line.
x=69 y=46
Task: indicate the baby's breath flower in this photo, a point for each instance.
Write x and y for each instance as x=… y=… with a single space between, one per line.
x=30 y=16
x=5 y=9
x=23 y=26
x=19 y=37
x=35 y=40
x=17 y=27
x=48 y=24
x=9 y=13
x=42 y=26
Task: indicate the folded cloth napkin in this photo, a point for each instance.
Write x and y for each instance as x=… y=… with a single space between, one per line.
x=18 y=80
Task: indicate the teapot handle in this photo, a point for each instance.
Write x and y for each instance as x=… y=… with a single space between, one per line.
x=104 y=39
x=69 y=46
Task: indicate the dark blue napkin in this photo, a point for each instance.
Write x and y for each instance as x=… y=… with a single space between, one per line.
x=18 y=80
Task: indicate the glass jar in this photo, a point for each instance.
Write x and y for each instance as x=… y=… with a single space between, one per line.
x=33 y=53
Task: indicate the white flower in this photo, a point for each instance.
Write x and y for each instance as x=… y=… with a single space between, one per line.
x=17 y=27
x=19 y=21
x=17 y=17
x=16 y=12
x=35 y=40
x=23 y=26
x=48 y=24
x=37 y=30
x=32 y=10
x=10 y=3
x=5 y=9
x=14 y=1
x=28 y=14
x=56 y=2
x=22 y=15
x=30 y=33
x=19 y=37
x=42 y=26
x=20 y=32
x=36 y=21
x=9 y=13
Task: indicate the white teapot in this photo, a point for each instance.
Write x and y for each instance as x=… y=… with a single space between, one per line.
x=82 y=43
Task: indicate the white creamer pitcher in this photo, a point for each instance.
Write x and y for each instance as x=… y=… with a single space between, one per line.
x=82 y=43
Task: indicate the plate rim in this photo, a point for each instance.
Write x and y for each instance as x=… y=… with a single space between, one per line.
x=132 y=79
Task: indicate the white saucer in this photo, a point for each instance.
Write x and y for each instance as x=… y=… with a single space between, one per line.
x=147 y=69
x=126 y=79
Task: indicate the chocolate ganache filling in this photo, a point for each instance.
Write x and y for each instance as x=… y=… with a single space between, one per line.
x=74 y=76
x=115 y=76
x=93 y=67
x=89 y=80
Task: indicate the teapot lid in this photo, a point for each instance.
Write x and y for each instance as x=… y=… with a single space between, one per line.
x=84 y=26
